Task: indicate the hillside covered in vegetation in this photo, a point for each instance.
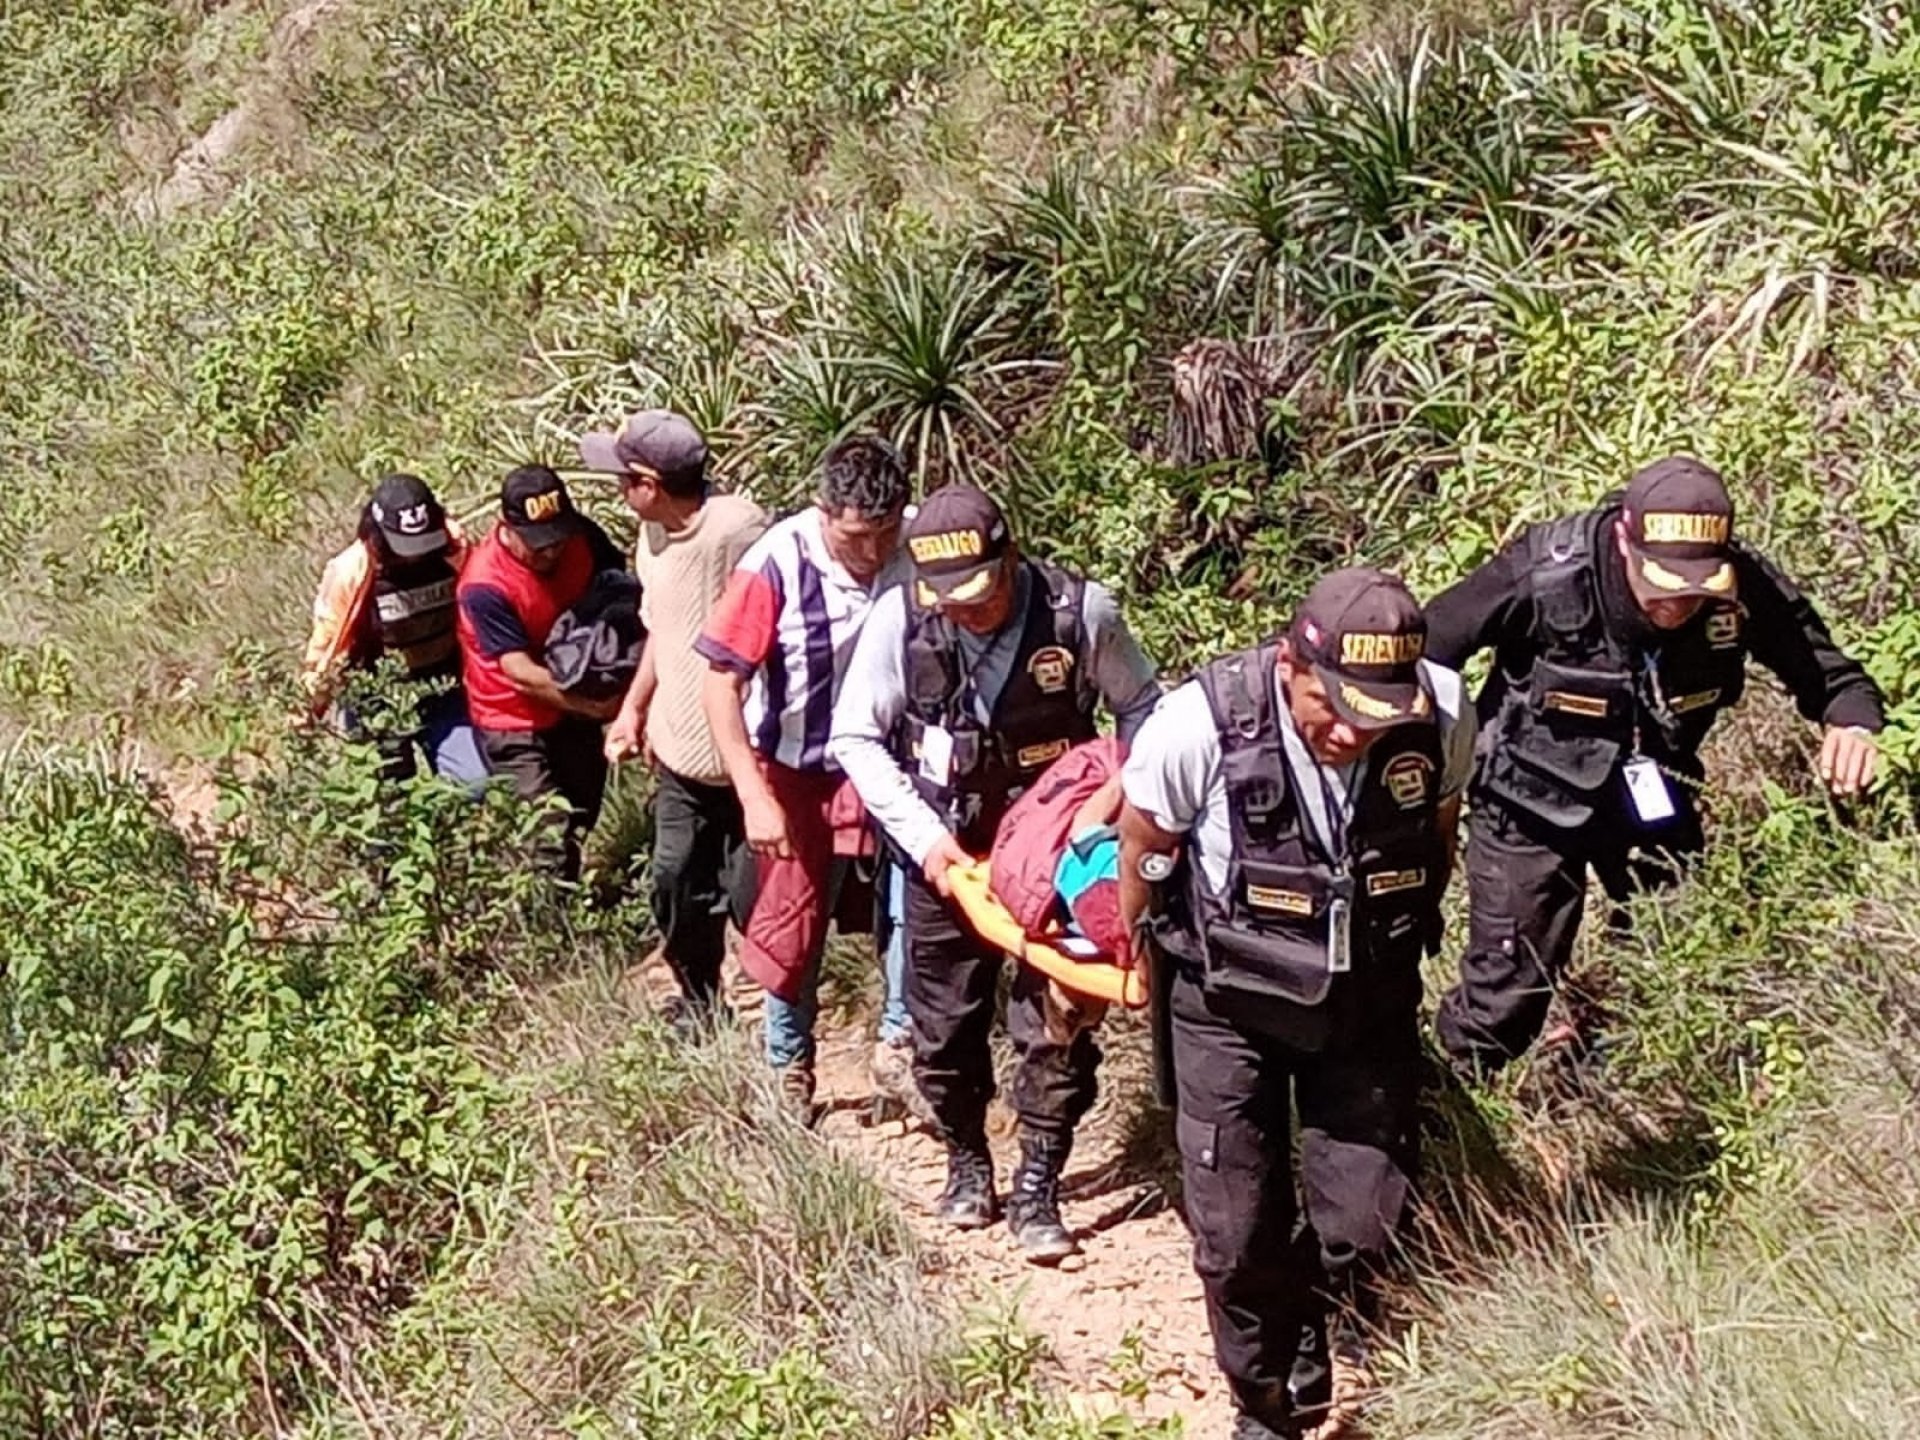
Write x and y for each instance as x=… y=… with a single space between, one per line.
x=312 y=1121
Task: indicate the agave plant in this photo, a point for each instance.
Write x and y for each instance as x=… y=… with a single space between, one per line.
x=937 y=352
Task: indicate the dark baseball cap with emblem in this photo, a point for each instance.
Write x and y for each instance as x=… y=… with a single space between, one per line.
x=535 y=503
x=957 y=540
x=1679 y=527
x=1363 y=634
x=410 y=518
x=663 y=441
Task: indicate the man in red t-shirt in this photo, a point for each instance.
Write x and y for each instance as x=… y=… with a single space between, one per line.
x=538 y=561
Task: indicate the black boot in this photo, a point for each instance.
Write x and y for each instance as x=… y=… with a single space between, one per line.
x=1247 y=1427
x=969 y=1202
x=1033 y=1201
x=1310 y=1382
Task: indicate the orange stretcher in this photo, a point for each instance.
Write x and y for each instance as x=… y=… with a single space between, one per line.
x=1099 y=978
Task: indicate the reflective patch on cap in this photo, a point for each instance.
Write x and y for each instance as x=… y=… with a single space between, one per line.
x=947 y=545
x=1675 y=527
x=1657 y=575
x=1372 y=707
x=1363 y=648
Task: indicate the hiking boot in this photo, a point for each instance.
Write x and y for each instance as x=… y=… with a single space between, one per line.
x=968 y=1202
x=1246 y=1427
x=1353 y=1379
x=1033 y=1201
x=691 y=1021
x=1310 y=1382
x=796 y=1091
x=896 y=1094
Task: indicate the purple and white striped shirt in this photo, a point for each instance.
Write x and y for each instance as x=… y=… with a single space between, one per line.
x=788 y=621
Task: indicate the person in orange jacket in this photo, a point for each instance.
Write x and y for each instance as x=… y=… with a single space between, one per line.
x=391 y=594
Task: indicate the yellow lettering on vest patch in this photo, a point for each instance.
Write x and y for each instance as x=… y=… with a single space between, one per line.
x=1387 y=882
x=1287 y=902
x=1723 y=629
x=1361 y=648
x=1031 y=757
x=543 y=507
x=1699 y=700
x=1674 y=527
x=1593 y=706
x=947 y=545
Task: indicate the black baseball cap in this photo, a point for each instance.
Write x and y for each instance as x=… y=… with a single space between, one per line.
x=957 y=540
x=663 y=441
x=1362 y=633
x=411 y=520
x=1679 y=528
x=535 y=503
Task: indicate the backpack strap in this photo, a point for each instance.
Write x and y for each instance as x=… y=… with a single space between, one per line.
x=1253 y=763
x=1066 y=598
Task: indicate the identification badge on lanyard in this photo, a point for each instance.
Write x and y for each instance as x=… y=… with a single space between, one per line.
x=936 y=754
x=1647 y=788
x=1339 y=937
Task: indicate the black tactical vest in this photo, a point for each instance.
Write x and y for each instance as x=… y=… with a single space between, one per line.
x=1562 y=729
x=1045 y=708
x=1267 y=937
x=410 y=615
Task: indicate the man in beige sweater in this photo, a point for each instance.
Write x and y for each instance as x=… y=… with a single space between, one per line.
x=690 y=540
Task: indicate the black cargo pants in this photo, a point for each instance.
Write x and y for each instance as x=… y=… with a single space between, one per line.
x=697 y=832
x=566 y=759
x=1264 y=1276
x=1526 y=892
x=952 y=987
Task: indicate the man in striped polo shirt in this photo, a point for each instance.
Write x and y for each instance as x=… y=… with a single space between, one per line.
x=778 y=644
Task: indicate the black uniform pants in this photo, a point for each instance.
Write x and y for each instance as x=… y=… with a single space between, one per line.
x=567 y=760
x=1526 y=892
x=1265 y=1277
x=952 y=984
x=697 y=829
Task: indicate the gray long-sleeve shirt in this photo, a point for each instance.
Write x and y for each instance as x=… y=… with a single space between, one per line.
x=874 y=697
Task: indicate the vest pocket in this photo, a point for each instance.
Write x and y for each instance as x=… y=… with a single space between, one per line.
x=1576 y=700
x=1287 y=967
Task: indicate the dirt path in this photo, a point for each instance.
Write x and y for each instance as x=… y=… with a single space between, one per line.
x=1124 y=1320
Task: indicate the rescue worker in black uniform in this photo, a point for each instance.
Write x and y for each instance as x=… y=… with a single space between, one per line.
x=965 y=685
x=1287 y=836
x=1619 y=636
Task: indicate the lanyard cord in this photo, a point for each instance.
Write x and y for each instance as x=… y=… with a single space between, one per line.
x=1339 y=814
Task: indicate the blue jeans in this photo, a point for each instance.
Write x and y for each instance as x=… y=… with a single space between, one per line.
x=445 y=736
x=893 y=961
x=788 y=1024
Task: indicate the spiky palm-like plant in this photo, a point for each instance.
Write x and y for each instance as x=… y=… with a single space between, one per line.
x=937 y=352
